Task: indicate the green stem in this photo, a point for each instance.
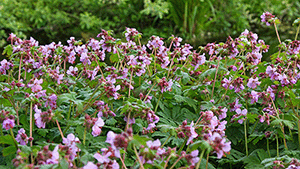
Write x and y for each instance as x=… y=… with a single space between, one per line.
x=212 y=92
x=165 y=141
x=179 y=151
x=138 y=158
x=1 y=132
x=277 y=145
x=254 y=127
x=157 y=103
x=299 y=132
x=15 y=141
x=206 y=161
x=84 y=136
x=130 y=84
x=245 y=130
x=200 y=158
x=297 y=32
x=176 y=162
x=268 y=147
x=30 y=130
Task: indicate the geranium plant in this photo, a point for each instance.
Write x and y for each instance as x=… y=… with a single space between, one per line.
x=117 y=103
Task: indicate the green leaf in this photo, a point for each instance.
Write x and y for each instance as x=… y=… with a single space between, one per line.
x=66 y=98
x=42 y=132
x=80 y=131
x=7 y=139
x=8 y=50
x=64 y=164
x=9 y=150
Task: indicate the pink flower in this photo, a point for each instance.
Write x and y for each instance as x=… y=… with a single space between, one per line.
x=253 y=83
x=22 y=137
x=223 y=114
x=90 y=165
x=97 y=127
x=102 y=159
x=36 y=87
x=219 y=144
x=193 y=134
x=254 y=96
x=38 y=119
x=110 y=139
x=51 y=101
x=8 y=123
x=268 y=18
x=55 y=156
x=72 y=71
x=153 y=144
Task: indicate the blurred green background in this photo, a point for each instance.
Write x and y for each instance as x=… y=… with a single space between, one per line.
x=197 y=21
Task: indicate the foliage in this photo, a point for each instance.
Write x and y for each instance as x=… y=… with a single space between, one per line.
x=111 y=103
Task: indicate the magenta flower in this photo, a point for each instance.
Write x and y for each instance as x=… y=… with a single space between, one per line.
x=110 y=139
x=5 y=65
x=253 y=83
x=90 y=165
x=71 y=141
x=241 y=113
x=51 y=101
x=153 y=144
x=268 y=18
x=22 y=137
x=271 y=92
x=72 y=57
x=38 y=119
x=36 y=87
x=55 y=156
x=131 y=121
x=193 y=157
x=155 y=42
x=8 y=123
x=226 y=83
x=85 y=59
x=102 y=158
x=96 y=129
x=130 y=34
x=164 y=85
x=193 y=134
x=223 y=114
x=254 y=96
x=219 y=144
x=72 y=71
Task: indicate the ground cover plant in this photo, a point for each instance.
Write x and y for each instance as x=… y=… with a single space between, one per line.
x=113 y=103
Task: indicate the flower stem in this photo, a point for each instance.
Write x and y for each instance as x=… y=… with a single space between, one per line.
x=137 y=156
x=130 y=84
x=12 y=134
x=61 y=133
x=168 y=159
x=206 y=161
x=84 y=136
x=176 y=162
x=30 y=130
x=245 y=129
x=123 y=161
x=277 y=33
x=200 y=158
x=165 y=141
x=297 y=32
x=277 y=145
x=299 y=132
x=268 y=147
x=212 y=92
x=157 y=103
